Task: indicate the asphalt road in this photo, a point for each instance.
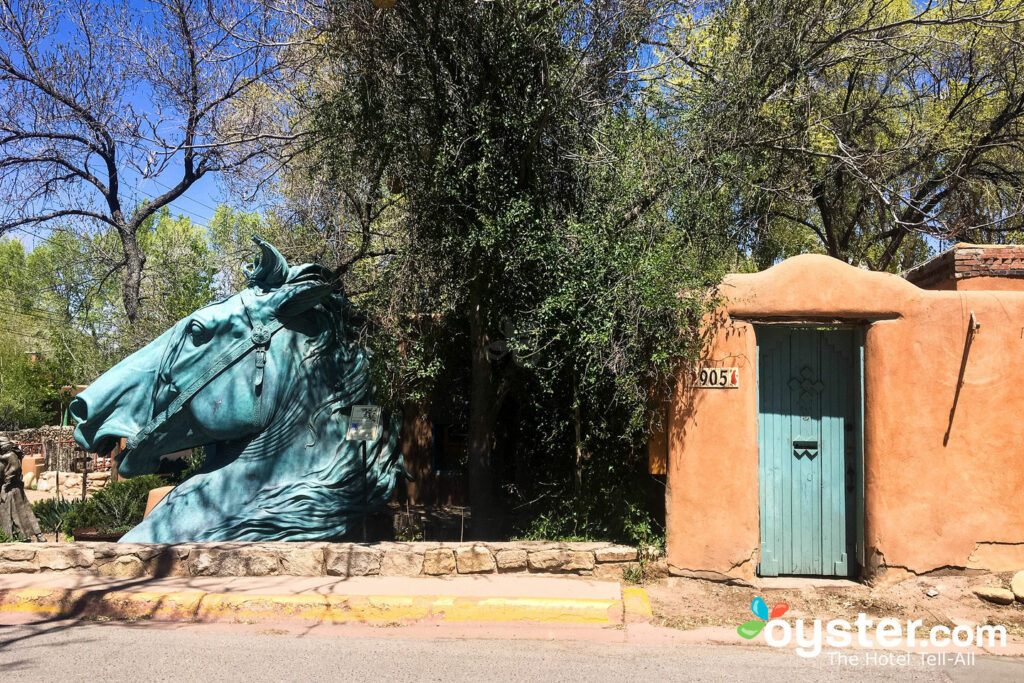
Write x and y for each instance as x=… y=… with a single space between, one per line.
x=64 y=651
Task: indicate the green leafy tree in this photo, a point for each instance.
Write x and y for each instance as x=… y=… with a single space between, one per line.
x=62 y=299
x=27 y=370
x=866 y=126
x=543 y=259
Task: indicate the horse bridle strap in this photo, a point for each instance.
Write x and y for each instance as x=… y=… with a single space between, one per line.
x=258 y=339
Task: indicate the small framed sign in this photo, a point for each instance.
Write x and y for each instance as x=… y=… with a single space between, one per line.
x=715 y=378
x=363 y=424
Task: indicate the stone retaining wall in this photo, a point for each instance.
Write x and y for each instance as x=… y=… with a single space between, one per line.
x=60 y=456
x=71 y=483
x=600 y=560
x=40 y=434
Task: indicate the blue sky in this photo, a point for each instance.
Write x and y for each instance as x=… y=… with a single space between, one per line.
x=198 y=202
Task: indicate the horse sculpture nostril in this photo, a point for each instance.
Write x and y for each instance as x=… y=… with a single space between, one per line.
x=78 y=410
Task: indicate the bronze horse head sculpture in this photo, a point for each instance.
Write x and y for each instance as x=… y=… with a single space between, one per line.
x=265 y=381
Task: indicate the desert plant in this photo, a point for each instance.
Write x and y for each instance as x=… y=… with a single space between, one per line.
x=120 y=505
x=52 y=512
x=634 y=573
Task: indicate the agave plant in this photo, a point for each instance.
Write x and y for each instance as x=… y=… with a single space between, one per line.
x=120 y=506
x=52 y=512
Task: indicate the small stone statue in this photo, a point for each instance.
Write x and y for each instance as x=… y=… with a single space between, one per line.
x=14 y=506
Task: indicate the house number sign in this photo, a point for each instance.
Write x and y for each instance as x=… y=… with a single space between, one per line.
x=716 y=378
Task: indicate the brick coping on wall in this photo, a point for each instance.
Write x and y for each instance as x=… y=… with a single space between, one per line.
x=130 y=560
x=963 y=261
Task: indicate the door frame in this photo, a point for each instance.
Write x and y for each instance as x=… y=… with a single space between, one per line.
x=855 y=526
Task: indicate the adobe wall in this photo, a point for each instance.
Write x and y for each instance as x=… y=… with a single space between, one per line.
x=975 y=284
x=931 y=500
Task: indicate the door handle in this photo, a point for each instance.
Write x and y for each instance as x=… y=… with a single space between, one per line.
x=805 y=447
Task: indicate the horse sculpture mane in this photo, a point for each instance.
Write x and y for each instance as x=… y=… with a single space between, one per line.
x=265 y=380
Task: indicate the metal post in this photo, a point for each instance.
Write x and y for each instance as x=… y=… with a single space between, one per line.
x=366 y=493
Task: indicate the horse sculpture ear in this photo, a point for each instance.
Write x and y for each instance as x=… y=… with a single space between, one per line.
x=295 y=299
x=270 y=269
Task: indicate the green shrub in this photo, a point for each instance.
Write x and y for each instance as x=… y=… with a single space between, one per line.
x=119 y=506
x=52 y=512
x=193 y=463
x=16 y=538
x=81 y=515
x=598 y=517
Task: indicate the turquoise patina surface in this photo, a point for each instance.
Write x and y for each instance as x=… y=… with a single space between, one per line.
x=265 y=380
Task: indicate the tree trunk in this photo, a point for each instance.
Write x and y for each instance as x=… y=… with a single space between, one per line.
x=134 y=261
x=482 y=417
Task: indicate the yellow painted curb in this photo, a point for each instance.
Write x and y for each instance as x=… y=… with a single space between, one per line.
x=243 y=607
x=636 y=606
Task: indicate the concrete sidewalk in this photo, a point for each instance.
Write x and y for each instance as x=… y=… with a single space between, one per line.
x=372 y=600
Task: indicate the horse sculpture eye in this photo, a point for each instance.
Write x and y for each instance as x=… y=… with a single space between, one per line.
x=198 y=333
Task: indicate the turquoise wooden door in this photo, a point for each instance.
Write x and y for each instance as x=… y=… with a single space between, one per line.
x=808 y=433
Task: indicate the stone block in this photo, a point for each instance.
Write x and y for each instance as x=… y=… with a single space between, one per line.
x=303 y=561
x=351 y=560
x=16 y=552
x=1017 y=585
x=579 y=561
x=1000 y=596
x=511 y=560
x=143 y=551
x=204 y=563
x=560 y=560
x=66 y=557
x=589 y=546
x=615 y=553
x=657 y=568
x=168 y=563
x=233 y=562
x=105 y=551
x=401 y=563
x=612 y=571
x=17 y=568
x=475 y=559
x=182 y=550
x=529 y=546
x=123 y=567
x=439 y=562
x=548 y=560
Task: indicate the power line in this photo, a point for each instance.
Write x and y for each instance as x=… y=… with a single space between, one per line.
x=194 y=201
x=179 y=208
x=26 y=336
x=39 y=315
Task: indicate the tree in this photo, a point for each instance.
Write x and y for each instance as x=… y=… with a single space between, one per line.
x=489 y=132
x=82 y=291
x=27 y=369
x=95 y=97
x=865 y=125
x=62 y=301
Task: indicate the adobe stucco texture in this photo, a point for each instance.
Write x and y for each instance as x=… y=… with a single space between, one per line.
x=929 y=503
